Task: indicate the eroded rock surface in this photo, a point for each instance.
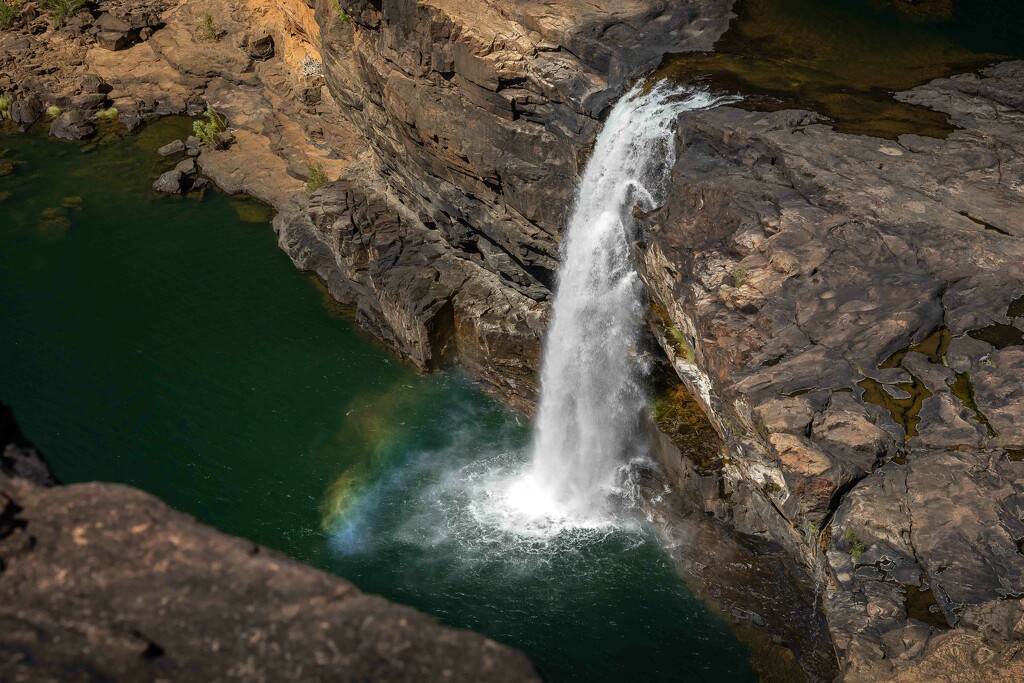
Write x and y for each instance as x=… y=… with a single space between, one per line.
x=105 y=582
x=830 y=290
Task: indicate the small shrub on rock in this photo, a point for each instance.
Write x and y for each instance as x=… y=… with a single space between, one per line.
x=854 y=544
x=52 y=112
x=109 y=114
x=343 y=16
x=62 y=10
x=739 y=276
x=5 y=107
x=9 y=11
x=209 y=128
x=207 y=28
x=317 y=178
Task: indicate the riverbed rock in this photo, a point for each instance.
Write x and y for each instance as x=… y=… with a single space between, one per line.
x=170 y=182
x=175 y=147
x=71 y=125
x=186 y=167
x=26 y=110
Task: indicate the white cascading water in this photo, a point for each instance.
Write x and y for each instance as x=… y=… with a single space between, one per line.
x=590 y=419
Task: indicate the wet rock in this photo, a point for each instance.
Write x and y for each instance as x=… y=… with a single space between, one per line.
x=71 y=125
x=170 y=182
x=174 y=147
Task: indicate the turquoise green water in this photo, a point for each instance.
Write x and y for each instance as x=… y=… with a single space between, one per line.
x=167 y=343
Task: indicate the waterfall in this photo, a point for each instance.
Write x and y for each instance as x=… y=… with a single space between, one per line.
x=590 y=420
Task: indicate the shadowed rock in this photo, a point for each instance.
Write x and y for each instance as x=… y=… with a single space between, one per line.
x=105 y=582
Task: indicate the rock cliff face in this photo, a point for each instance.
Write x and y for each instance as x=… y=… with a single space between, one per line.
x=105 y=582
x=852 y=318
x=479 y=118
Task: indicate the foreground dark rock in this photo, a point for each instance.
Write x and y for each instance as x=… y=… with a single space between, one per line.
x=18 y=456
x=105 y=582
x=170 y=182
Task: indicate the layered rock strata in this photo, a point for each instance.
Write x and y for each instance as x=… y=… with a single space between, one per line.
x=479 y=118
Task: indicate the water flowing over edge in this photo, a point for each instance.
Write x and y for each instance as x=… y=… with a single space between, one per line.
x=591 y=422
x=589 y=443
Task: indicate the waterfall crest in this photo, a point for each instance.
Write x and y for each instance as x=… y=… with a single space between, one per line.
x=590 y=418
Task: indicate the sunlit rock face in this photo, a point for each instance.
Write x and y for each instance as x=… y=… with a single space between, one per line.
x=479 y=118
x=852 y=305
x=788 y=264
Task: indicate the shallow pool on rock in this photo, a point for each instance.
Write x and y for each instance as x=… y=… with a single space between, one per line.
x=167 y=343
x=845 y=59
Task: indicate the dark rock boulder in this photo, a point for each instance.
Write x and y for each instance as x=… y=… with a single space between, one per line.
x=91 y=83
x=170 y=182
x=26 y=110
x=186 y=167
x=175 y=147
x=72 y=125
x=18 y=457
x=112 y=40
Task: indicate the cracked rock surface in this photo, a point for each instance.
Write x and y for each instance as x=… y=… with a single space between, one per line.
x=854 y=304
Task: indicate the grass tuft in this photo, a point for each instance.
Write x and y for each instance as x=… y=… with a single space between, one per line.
x=110 y=114
x=209 y=128
x=317 y=178
x=9 y=11
x=343 y=16
x=62 y=10
x=854 y=544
